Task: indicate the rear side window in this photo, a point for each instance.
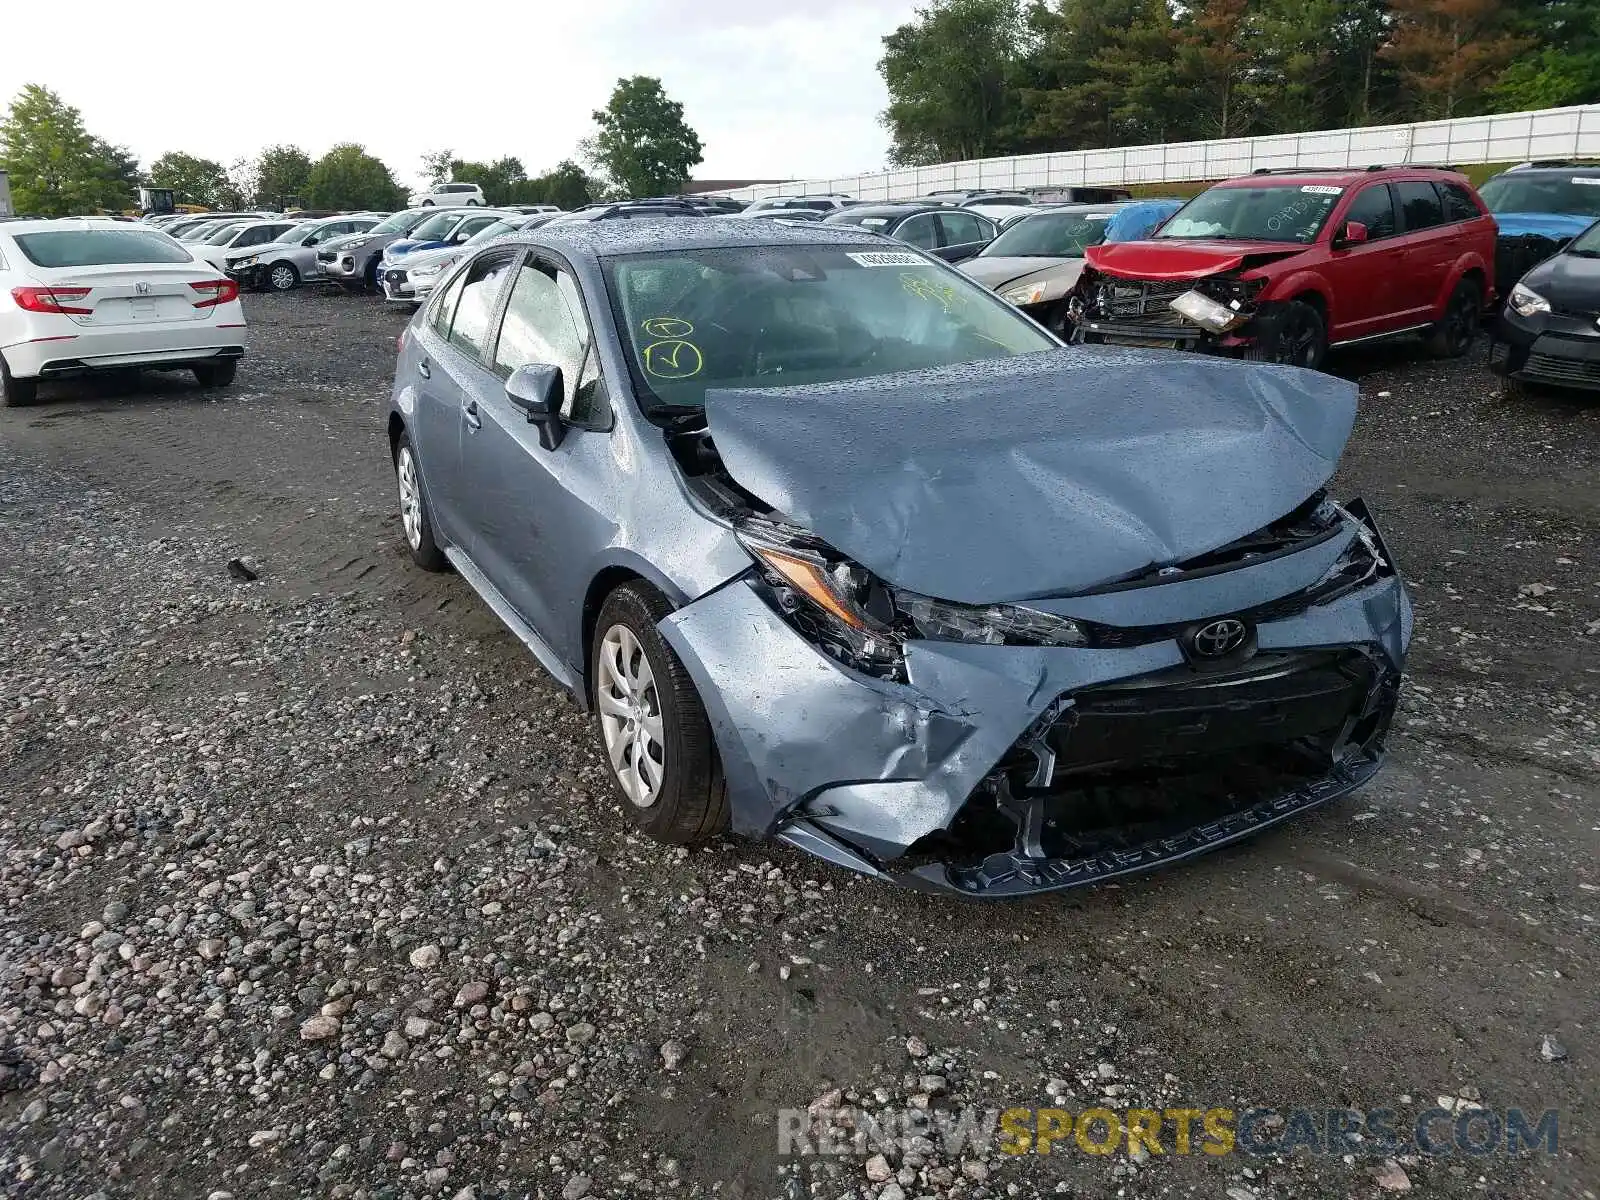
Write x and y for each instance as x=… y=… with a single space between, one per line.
x=1373 y=208
x=1458 y=205
x=99 y=248
x=469 y=329
x=918 y=231
x=960 y=228
x=1420 y=204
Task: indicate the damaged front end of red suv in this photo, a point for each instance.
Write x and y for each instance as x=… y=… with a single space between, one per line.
x=1215 y=297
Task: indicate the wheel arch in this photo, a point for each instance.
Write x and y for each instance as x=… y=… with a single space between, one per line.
x=607 y=579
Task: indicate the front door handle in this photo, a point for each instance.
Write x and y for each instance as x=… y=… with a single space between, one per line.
x=423 y=369
x=471 y=413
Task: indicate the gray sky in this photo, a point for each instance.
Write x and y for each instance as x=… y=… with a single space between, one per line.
x=775 y=88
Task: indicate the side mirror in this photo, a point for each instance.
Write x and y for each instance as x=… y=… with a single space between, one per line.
x=1354 y=234
x=536 y=390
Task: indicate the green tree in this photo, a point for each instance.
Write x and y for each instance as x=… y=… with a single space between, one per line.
x=1565 y=67
x=951 y=79
x=1449 y=53
x=436 y=166
x=498 y=179
x=567 y=186
x=1215 y=57
x=281 y=175
x=118 y=176
x=55 y=167
x=644 y=145
x=193 y=180
x=1151 y=101
x=349 y=178
x=1066 y=100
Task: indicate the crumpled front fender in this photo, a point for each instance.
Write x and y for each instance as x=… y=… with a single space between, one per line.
x=878 y=762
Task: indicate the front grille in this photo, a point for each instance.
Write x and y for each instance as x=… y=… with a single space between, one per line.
x=1272 y=700
x=1562 y=370
x=1140 y=298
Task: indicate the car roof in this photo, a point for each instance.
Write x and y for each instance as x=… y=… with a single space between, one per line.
x=603 y=239
x=1342 y=177
x=892 y=209
x=1587 y=169
x=18 y=225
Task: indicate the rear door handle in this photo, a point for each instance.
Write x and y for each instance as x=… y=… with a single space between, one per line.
x=471 y=413
x=423 y=369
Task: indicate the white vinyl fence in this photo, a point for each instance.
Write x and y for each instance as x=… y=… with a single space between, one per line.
x=1506 y=137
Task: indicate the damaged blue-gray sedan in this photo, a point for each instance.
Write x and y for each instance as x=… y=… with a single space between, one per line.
x=841 y=549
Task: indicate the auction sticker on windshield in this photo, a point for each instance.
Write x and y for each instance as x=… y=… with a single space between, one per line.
x=887 y=258
x=1322 y=189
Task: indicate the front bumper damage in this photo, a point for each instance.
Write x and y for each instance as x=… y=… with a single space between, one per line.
x=985 y=773
x=1110 y=310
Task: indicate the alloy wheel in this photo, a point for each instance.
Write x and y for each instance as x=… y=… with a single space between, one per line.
x=282 y=277
x=630 y=716
x=1463 y=312
x=410 y=497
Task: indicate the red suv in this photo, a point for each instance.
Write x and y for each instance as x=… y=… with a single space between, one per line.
x=1281 y=265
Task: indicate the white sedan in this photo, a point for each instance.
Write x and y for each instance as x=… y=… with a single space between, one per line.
x=78 y=297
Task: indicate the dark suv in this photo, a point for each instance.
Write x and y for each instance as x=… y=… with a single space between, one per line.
x=1279 y=266
x=1539 y=207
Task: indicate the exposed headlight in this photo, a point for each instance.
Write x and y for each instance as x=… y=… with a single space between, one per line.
x=989 y=624
x=1526 y=302
x=433 y=270
x=1028 y=293
x=863 y=621
x=1206 y=312
x=239 y=263
x=1359 y=565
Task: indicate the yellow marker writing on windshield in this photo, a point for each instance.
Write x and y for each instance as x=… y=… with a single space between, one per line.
x=667 y=327
x=926 y=288
x=672 y=358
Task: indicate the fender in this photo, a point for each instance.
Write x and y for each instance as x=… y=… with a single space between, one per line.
x=1468 y=260
x=1297 y=283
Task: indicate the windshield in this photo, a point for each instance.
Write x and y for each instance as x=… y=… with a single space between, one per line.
x=1518 y=193
x=199 y=232
x=780 y=316
x=400 y=222
x=224 y=235
x=298 y=234
x=1587 y=242
x=435 y=228
x=493 y=231
x=1290 y=212
x=99 y=248
x=1049 y=235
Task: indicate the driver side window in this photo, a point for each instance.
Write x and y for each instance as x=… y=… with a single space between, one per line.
x=544 y=323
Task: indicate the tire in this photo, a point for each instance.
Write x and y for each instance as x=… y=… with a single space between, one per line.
x=369 y=277
x=1294 y=336
x=474 y=203
x=16 y=393
x=216 y=374
x=281 y=277
x=636 y=677
x=415 y=521
x=1453 y=335
x=426 y=204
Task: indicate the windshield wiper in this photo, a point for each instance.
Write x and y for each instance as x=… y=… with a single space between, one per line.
x=1584 y=253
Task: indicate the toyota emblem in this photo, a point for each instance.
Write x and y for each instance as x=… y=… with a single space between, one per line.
x=1220 y=637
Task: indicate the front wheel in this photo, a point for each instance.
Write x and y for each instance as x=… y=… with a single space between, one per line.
x=427 y=204
x=1293 y=336
x=282 y=277
x=1452 y=336
x=653 y=728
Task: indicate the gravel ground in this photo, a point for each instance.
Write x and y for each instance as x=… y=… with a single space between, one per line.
x=314 y=885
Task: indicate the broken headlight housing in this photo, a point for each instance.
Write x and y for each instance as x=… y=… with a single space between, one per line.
x=1361 y=563
x=857 y=618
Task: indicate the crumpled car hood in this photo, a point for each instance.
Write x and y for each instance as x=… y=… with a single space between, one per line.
x=1182 y=258
x=1036 y=475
